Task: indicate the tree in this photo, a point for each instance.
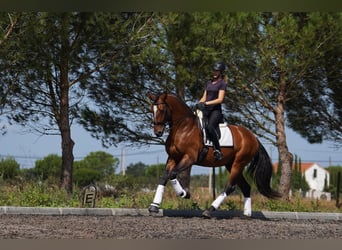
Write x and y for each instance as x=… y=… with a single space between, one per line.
x=155 y=170
x=9 y=168
x=298 y=181
x=320 y=115
x=333 y=171
x=136 y=170
x=120 y=111
x=85 y=176
x=49 y=166
x=94 y=167
x=53 y=58
x=8 y=22
x=102 y=162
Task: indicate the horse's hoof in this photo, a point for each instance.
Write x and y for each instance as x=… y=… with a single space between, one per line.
x=247 y=214
x=187 y=195
x=206 y=214
x=153 y=210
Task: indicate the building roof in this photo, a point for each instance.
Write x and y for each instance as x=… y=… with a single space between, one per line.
x=304 y=166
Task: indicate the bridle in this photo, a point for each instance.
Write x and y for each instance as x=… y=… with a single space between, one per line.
x=165 y=113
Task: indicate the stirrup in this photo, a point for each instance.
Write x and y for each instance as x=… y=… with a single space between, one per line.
x=218 y=155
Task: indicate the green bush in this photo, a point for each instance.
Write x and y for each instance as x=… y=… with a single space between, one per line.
x=49 y=166
x=85 y=176
x=37 y=195
x=9 y=168
x=123 y=184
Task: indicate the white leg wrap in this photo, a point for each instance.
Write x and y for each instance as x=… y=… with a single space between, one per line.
x=178 y=188
x=158 y=197
x=219 y=200
x=247 y=210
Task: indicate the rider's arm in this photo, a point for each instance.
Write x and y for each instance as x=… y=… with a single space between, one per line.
x=204 y=96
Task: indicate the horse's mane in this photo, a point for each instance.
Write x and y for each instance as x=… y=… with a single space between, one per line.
x=181 y=101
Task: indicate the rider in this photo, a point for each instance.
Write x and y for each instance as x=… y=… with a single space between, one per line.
x=210 y=104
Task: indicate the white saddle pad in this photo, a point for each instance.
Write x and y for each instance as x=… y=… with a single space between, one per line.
x=226 y=139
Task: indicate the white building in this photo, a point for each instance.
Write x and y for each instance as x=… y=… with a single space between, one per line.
x=317 y=177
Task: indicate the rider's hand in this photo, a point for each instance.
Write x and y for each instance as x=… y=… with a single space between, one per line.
x=201 y=106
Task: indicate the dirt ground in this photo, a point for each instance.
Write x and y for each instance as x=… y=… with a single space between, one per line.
x=145 y=227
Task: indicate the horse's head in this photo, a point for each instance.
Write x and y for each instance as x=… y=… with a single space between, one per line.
x=161 y=113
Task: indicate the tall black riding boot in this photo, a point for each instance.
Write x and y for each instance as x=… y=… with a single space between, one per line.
x=217 y=149
x=218 y=155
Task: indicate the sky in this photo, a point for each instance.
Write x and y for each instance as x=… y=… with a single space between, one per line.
x=27 y=148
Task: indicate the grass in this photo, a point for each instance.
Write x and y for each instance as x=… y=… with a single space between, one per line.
x=49 y=195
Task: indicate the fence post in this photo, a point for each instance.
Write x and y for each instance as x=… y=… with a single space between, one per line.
x=338 y=189
x=214 y=184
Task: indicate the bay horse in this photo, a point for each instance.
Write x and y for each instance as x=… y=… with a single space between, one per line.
x=184 y=145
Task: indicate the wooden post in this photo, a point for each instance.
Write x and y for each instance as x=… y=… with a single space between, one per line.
x=214 y=184
x=338 y=189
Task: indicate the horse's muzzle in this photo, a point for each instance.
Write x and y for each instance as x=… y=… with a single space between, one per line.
x=159 y=130
x=159 y=133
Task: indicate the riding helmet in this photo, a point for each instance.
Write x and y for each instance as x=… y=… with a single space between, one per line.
x=219 y=66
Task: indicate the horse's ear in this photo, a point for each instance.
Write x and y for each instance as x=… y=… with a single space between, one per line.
x=163 y=96
x=152 y=96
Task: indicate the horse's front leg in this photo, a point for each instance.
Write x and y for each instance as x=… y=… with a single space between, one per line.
x=158 y=196
x=183 y=165
x=180 y=191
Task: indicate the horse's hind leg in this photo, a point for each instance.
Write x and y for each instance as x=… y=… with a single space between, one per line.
x=230 y=187
x=236 y=178
x=246 y=191
x=220 y=198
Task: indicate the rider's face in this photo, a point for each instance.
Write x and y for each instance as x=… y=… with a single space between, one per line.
x=216 y=74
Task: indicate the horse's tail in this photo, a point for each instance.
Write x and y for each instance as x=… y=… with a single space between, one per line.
x=261 y=170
